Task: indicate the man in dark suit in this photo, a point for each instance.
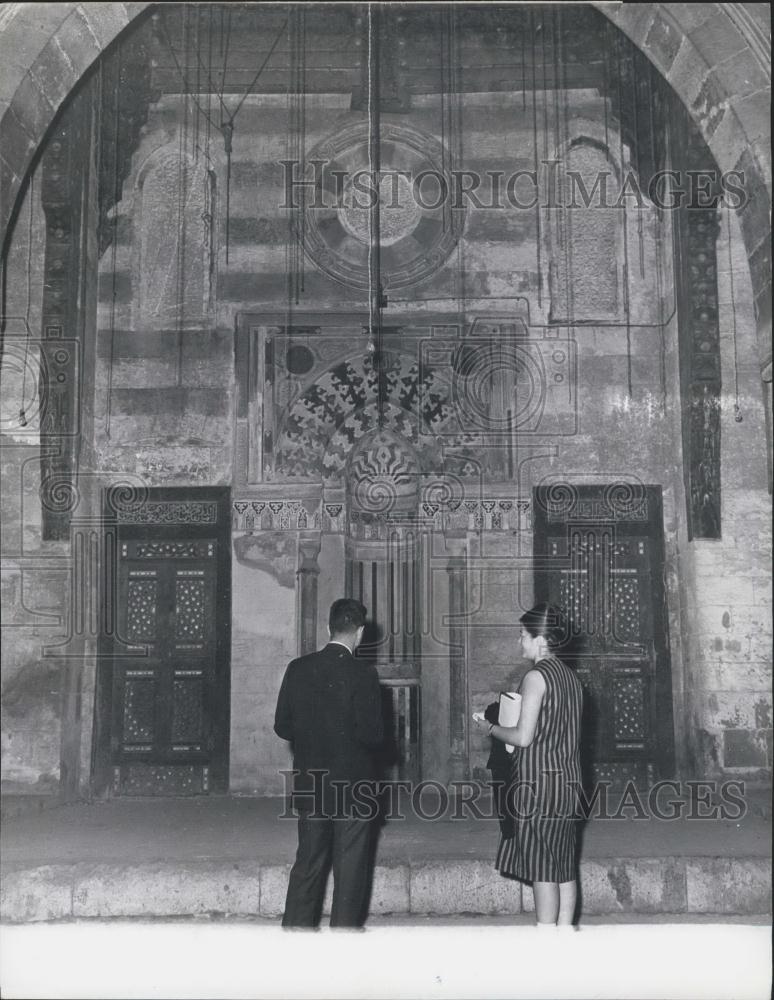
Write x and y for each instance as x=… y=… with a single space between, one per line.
x=329 y=707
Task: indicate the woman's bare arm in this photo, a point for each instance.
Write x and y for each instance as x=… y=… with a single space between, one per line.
x=533 y=688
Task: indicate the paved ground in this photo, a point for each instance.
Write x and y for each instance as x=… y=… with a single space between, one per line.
x=229 y=856
x=241 y=829
x=442 y=961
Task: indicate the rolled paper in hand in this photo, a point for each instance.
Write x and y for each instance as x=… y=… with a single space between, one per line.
x=510 y=710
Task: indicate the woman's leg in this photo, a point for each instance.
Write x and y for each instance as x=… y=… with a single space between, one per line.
x=568 y=895
x=546 y=901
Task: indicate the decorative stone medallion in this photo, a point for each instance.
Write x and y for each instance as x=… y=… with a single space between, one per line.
x=400 y=213
x=419 y=227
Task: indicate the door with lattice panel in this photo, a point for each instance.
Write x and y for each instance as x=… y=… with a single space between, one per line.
x=163 y=724
x=599 y=557
x=387 y=581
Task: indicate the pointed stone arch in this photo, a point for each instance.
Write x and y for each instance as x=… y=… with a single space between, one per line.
x=698 y=48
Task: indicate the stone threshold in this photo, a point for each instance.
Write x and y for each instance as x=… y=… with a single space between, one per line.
x=612 y=887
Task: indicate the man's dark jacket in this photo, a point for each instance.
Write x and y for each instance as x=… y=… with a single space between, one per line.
x=329 y=707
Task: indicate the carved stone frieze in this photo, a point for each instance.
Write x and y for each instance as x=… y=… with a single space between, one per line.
x=169 y=512
x=443 y=515
x=280 y=515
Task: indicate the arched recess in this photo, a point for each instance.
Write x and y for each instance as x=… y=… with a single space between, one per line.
x=584 y=279
x=592 y=235
x=583 y=246
x=316 y=431
x=698 y=48
x=171 y=192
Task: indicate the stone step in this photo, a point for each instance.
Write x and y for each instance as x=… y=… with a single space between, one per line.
x=614 y=887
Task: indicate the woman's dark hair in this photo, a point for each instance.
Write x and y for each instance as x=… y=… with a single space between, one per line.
x=546 y=620
x=346 y=615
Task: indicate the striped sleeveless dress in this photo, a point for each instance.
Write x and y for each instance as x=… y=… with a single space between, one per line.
x=545 y=776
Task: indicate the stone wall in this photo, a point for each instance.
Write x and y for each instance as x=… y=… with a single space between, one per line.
x=164 y=411
x=726 y=584
x=165 y=368
x=165 y=371
x=263 y=641
x=35 y=572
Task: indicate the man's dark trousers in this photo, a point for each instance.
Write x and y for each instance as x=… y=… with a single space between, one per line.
x=347 y=843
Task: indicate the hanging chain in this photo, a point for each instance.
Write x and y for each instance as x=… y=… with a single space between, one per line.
x=738 y=417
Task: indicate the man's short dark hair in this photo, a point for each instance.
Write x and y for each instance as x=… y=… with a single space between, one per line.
x=346 y=615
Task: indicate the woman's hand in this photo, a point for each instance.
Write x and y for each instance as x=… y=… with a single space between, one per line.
x=480 y=719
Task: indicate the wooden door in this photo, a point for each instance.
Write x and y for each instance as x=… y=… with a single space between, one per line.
x=164 y=692
x=600 y=559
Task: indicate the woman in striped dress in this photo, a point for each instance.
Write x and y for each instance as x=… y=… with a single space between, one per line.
x=546 y=773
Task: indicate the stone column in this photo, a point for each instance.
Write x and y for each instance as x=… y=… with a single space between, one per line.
x=307 y=574
x=458 y=665
x=80 y=645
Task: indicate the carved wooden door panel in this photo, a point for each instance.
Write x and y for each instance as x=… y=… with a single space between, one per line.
x=163 y=725
x=606 y=591
x=602 y=564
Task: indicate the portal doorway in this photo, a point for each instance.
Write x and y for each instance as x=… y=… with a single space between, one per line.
x=599 y=555
x=383 y=559
x=386 y=580
x=162 y=704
